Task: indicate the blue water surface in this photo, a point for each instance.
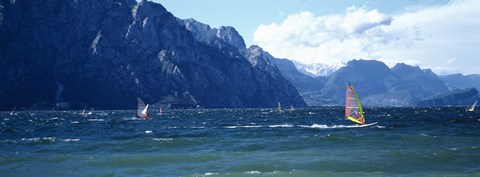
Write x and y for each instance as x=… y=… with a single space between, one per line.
x=241 y=142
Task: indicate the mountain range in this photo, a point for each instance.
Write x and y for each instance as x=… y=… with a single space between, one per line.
x=104 y=54
x=317 y=69
x=379 y=85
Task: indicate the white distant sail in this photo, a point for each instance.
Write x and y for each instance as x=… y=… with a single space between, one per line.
x=472 y=108
x=160 y=111
x=145 y=110
x=13 y=111
x=292 y=108
x=279 y=107
x=84 y=112
x=142 y=109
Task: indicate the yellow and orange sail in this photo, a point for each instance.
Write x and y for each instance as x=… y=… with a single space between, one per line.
x=353 y=108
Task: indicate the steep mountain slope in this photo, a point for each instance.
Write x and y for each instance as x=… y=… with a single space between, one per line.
x=424 y=83
x=369 y=77
x=105 y=53
x=268 y=79
x=301 y=81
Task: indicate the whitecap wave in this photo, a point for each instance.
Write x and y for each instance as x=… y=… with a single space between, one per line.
x=323 y=126
x=40 y=139
x=96 y=120
x=253 y=172
x=281 y=126
x=162 y=139
x=243 y=126
x=209 y=174
x=70 y=140
x=49 y=139
x=7 y=141
x=130 y=118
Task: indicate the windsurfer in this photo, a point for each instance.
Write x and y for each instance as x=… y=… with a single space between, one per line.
x=356 y=114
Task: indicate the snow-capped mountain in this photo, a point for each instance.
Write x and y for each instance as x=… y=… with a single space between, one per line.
x=317 y=69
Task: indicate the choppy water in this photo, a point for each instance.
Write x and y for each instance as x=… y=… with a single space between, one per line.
x=241 y=142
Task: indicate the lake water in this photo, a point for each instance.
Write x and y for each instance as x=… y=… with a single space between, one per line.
x=241 y=142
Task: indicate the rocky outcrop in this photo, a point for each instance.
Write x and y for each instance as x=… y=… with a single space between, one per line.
x=268 y=71
x=226 y=39
x=457 y=97
x=105 y=53
x=301 y=81
x=203 y=32
x=424 y=83
x=269 y=81
x=461 y=81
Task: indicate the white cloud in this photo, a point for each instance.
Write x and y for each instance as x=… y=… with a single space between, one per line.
x=451 y=61
x=444 y=38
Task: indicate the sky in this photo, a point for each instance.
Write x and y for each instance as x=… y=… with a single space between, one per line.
x=439 y=34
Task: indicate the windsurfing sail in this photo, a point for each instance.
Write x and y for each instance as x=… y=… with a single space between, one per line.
x=472 y=108
x=292 y=108
x=84 y=112
x=142 y=109
x=353 y=108
x=160 y=111
x=13 y=111
x=279 y=107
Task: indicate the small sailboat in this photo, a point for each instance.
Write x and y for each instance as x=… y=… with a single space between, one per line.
x=13 y=111
x=142 y=109
x=84 y=113
x=160 y=112
x=292 y=108
x=279 y=108
x=472 y=108
x=353 y=108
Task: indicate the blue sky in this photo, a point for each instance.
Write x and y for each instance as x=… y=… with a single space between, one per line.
x=247 y=15
x=437 y=34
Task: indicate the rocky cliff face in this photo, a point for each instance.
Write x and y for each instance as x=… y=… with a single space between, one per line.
x=268 y=80
x=303 y=82
x=424 y=83
x=105 y=53
x=44 y=43
x=204 y=33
